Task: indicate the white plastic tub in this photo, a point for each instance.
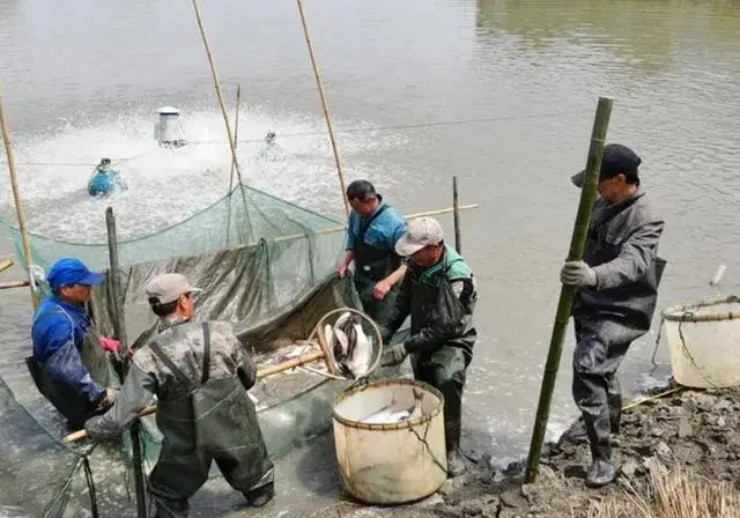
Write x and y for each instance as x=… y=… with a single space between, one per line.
x=390 y=463
x=704 y=340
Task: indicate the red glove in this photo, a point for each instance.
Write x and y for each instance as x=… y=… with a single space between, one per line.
x=110 y=344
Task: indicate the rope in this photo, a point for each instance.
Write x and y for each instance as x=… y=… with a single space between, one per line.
x=90 y=487
x=420 y=125
x=424 y=441
x=686 y=350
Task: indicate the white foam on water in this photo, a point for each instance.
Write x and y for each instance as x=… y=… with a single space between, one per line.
x=169 y=185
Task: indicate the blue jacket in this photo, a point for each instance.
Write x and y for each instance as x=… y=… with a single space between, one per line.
x=384 y=231
x=58 y=332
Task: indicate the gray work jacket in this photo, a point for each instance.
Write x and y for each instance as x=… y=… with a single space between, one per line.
x=622 y=249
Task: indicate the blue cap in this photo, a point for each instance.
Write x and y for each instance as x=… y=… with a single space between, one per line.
x=66 y=272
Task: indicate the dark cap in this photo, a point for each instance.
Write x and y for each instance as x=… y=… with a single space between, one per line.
x=616 y=159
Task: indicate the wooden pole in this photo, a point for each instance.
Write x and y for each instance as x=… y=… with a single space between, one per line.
x=262 y=373
x=233 y=162
x=13 y=284
x=236 y=135
x=325 y=106
x=219 y=95
x=25 y=241
x=119 y=328
x=5 y=264
x=575 y=253
x=456 y=216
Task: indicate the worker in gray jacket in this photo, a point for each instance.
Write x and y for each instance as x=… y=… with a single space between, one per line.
x=200 y=374
x=617 y=285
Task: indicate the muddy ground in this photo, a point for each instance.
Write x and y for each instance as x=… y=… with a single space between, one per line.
x=696 y=431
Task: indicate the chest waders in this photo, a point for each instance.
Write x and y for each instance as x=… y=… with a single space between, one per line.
x=202 y=422
x=436 y=305
x=373 y=264
x=606 y=324
x=67 y=399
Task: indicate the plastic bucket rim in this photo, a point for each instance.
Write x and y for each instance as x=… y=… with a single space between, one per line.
x=388 y=426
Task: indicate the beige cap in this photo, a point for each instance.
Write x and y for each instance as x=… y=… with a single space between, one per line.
x=169 y=287
x=421 y=232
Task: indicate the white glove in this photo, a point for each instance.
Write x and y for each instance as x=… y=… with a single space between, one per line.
x=578 y=274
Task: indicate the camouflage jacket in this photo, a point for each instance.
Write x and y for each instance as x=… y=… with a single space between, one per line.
x=182 y=342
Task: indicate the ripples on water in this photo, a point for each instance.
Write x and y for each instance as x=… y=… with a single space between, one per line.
x=533 y=68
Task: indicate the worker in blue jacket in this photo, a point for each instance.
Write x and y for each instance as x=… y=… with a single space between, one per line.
x=62 y=334
x=105 y=181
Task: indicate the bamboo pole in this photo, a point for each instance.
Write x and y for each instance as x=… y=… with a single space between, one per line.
x=13 y=284
x=575 y=253
x=233 y=162
x=219 y=95
x=325 y=107
x=236 y=135
x=25 y=242
x=456 y=213
x=119 y=328
x=262 y=373
x=334 y=230
x=5 y=264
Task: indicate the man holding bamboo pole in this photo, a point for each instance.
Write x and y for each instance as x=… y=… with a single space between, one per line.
x=617 y=284
x=200 y=375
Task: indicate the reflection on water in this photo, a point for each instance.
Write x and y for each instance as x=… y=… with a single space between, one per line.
x=642 y=35
x=82 y=77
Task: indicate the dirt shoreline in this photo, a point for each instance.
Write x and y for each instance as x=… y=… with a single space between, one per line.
x=689 y=431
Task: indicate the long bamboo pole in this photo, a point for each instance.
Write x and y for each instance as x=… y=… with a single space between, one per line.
x=233 y=163
x=236 y=135
x=5 y=264
x=14 y=284
x=219 y=95
x=575 y=253
x=456 y=216
x=25 y=241
x=262 y=373
x=325 y=107
x=119 y=328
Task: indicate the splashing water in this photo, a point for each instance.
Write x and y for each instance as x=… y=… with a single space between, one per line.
x=166 y=186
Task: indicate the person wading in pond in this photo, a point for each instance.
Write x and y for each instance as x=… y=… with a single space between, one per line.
x=438 y=292
x=62 y=334
x=617 y=285
x=374 y=228
x=200 y=374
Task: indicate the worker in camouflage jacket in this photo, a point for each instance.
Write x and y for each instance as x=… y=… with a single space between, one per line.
x=617 y=285
x=438 y=292
x=200 y=374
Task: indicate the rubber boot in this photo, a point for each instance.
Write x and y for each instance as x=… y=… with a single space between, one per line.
x=615 y=412
x=261 y=496
x=455 y=463
x=602 y=471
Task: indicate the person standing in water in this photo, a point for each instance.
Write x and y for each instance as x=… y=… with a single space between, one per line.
x=200 y=373
x=374 y=228
x=105 y=181
x=438 y=292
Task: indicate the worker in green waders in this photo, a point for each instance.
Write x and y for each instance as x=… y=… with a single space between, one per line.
x=439 y=294
x=200 y=374
x=373 y=229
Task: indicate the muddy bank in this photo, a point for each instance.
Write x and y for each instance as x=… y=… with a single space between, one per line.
x=693 y=432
